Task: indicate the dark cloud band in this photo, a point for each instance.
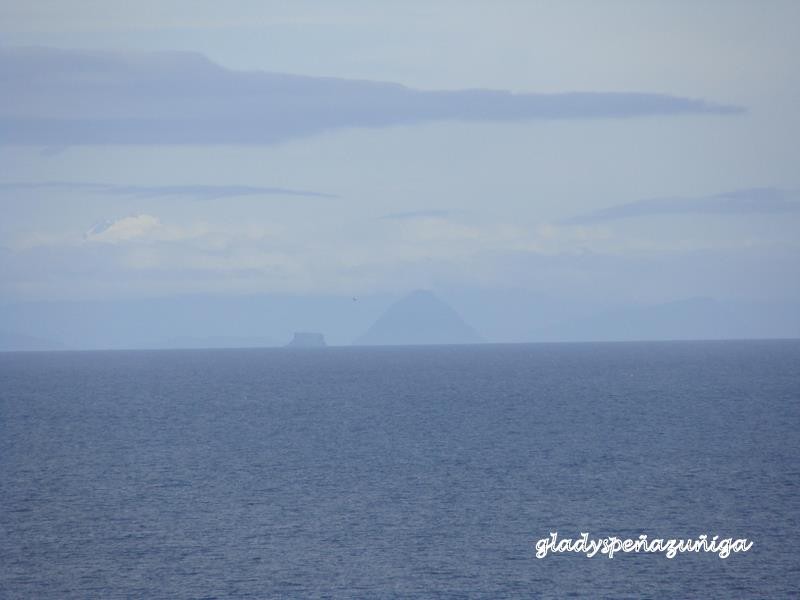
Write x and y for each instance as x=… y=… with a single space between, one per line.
x=199 y=192
x=738 y=202
x=67 y=97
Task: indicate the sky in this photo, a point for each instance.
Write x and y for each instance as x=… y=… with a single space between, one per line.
x=600 y=154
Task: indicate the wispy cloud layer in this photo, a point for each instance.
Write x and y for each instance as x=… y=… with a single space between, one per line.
x=199 y=192
x=739 y=202
x=67 y=97
x=422 y=214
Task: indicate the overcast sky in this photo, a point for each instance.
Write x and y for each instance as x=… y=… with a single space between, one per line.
x=610 y=151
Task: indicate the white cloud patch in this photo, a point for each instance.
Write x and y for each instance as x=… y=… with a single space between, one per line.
x=146 y=228
x=126 y=229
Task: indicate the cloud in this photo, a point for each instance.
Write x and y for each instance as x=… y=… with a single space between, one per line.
x=125 y=229
x=143 y=254
x=739 y=202
x=67 y=97
x=199 y=192
x=422 y=214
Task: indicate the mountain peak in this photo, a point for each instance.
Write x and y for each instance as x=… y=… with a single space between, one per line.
x=416 y=319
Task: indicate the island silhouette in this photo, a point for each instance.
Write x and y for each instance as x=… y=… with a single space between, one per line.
x=420 y=318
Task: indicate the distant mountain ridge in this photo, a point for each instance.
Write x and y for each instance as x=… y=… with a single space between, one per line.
x=688 y=319
x=270 y=321
x=419 y=319
x=15 y=342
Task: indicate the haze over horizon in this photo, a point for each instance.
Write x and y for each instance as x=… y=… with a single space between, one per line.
x=552 y=171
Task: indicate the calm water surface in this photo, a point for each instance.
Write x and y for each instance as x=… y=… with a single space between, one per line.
x=397 y=472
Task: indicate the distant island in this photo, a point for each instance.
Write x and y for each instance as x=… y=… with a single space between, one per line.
x=418 y=319
x=307 y=339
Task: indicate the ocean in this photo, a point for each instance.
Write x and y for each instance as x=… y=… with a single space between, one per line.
x=407 y=472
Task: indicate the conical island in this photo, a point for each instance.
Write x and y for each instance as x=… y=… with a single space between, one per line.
x=419 y=319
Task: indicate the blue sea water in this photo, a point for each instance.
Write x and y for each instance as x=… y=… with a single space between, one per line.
x=398 y=472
